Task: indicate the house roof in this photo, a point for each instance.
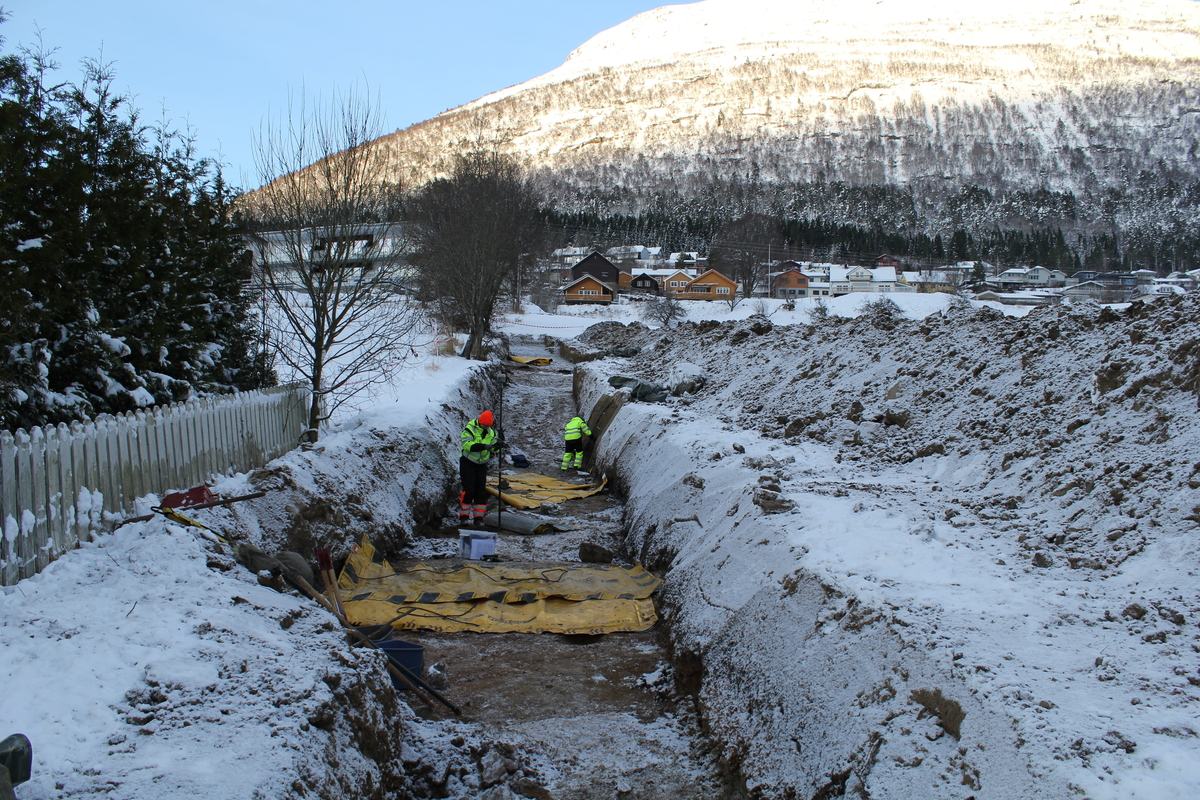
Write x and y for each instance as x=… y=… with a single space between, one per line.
x=666 y=273
x=583 y=278
x=708 y=272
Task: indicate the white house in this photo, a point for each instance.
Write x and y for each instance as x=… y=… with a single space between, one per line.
x=288 y=253
x=634 y=257
x=687 y=260
x=568 y=256
x=1183 y=280
x=1160 y=289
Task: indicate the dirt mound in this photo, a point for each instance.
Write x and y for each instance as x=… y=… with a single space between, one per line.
x=1067 y=405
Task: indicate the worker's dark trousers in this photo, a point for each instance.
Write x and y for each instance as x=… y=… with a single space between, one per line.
x=473 y=502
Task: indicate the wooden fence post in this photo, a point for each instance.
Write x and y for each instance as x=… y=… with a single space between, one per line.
x=10 y=512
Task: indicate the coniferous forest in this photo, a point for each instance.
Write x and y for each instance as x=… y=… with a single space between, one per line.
x=1146 y=226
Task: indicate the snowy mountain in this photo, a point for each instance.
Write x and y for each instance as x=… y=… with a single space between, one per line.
x=1073 y=95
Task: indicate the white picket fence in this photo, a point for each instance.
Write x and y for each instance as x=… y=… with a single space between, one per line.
x=59 y=485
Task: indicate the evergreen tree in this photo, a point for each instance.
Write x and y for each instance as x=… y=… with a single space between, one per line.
x=125 y=271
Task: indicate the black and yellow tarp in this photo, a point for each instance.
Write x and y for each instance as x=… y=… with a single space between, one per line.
x=497 y=598
x=529 y=490
x=533 y=361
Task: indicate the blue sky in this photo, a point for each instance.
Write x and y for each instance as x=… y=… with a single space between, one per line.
x=222 y=66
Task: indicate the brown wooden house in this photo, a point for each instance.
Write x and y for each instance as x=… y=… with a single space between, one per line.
x=790 y=283
x=712 y=285
x=586 y=289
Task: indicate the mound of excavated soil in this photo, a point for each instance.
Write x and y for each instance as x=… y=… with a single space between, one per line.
x=952 y=557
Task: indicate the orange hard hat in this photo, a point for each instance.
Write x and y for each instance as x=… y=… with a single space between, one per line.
x=487 y=419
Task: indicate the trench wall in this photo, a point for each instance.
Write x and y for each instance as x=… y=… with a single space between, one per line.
x=808 y=691
x=380 y=479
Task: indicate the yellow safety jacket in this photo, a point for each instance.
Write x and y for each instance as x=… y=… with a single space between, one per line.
x=576 y=428
x=475 y=434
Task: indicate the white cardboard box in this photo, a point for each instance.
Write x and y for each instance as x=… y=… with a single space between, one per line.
x=476 y=544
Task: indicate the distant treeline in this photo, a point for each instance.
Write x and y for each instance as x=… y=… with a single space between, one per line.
x=1152 y=224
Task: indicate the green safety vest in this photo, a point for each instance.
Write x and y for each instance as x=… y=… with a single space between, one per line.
x=475 y=433
x=576 y=428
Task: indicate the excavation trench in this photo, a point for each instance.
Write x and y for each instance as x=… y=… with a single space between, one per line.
x=586 y=716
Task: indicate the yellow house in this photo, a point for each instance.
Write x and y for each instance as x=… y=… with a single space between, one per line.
x=712 y=285
x=675 y=283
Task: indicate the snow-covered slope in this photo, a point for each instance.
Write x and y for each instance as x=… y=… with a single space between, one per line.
x=871 y=527
x=724 y=30
x=1069 y=94
x=150 y=664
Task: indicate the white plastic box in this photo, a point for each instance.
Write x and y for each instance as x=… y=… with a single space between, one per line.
x=476 y=544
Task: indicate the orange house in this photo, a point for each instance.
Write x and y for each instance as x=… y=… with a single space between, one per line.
x=712 y=285
x=587 y=290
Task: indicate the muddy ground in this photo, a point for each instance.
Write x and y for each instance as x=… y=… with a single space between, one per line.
x=595 y=716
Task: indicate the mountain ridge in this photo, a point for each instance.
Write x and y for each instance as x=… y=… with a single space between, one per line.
x=1069 y=119
x=993 y=99
x=800 y=24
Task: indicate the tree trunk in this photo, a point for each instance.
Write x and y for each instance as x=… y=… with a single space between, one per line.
x=314 y=410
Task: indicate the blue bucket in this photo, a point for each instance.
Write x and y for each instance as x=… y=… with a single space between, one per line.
x=410 y=655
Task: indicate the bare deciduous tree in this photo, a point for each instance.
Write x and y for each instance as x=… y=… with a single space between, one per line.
x=763 y=308
x=470 y=233
x=329 y=250
x=663 y=310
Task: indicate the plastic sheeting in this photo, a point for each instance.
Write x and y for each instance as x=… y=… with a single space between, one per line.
x=533 y=361
x=529 y=490
x=497 y=598
x=522 y=525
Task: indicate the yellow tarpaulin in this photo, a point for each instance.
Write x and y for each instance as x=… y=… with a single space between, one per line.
x=503 y=583
x=529 y=490
x=497 y=598
x=535 y=361
x=487 y=616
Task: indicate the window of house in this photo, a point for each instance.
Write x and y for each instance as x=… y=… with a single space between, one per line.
x=722 y=290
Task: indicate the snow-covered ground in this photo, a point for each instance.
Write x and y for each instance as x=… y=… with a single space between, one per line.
x=149 y=664
x=1023 y=541
x=869 y=525
x=568 y=321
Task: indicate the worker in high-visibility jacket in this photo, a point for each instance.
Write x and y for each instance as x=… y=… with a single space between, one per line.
x=477 y=444
x=574 y=433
